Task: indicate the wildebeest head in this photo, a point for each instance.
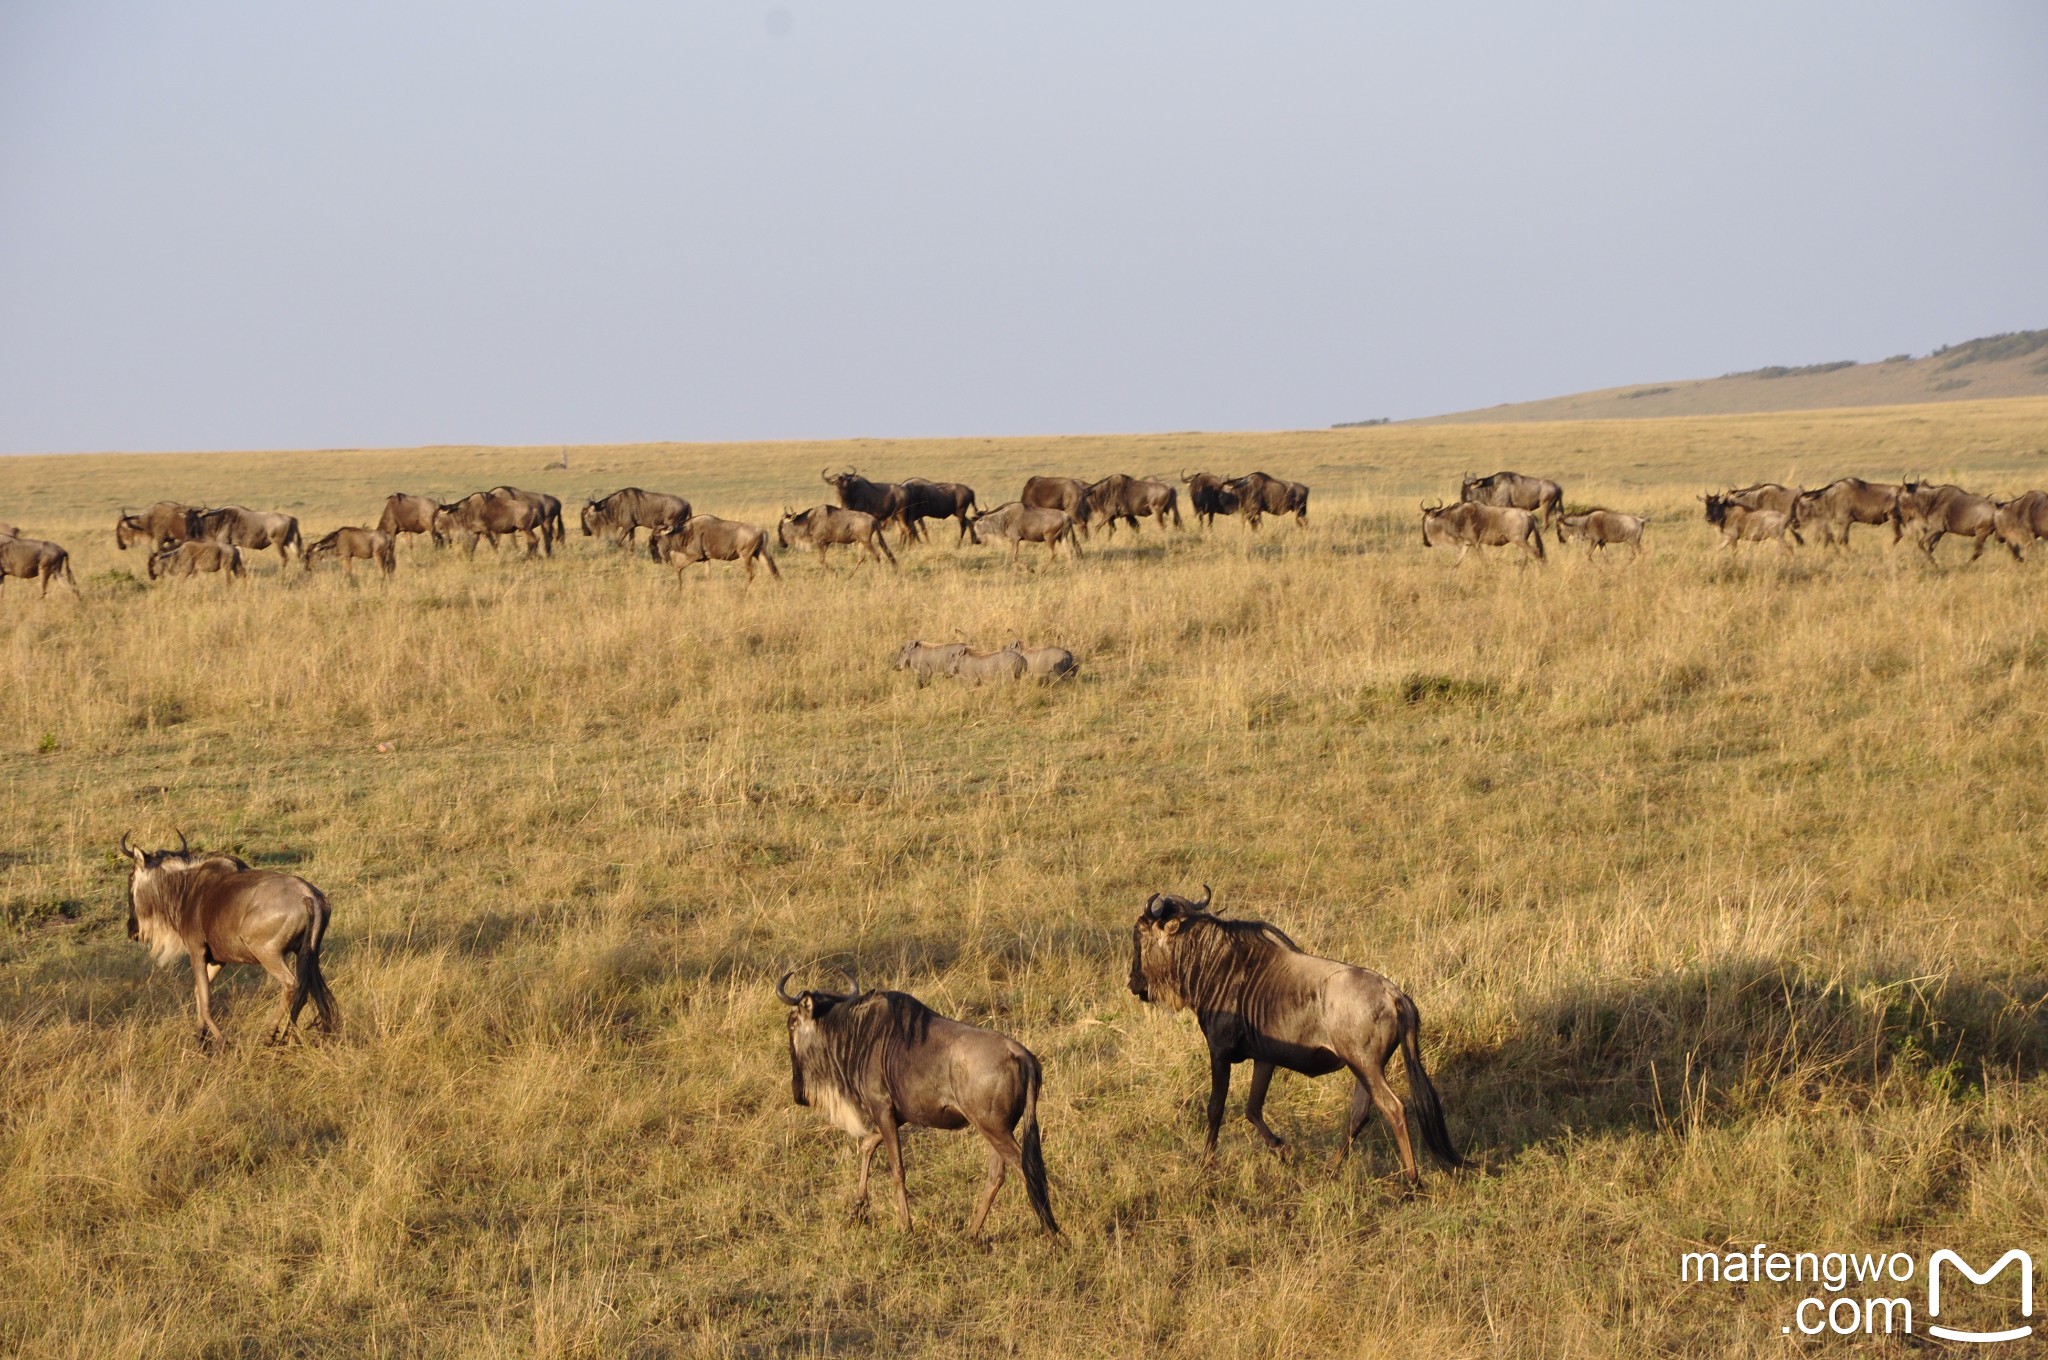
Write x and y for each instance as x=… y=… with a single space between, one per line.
x=1717 y=508
x=1152 y=942
x=591 y=514
x=807 y=1009
x=148 y=865
x=1432 y=518
x=793 y=527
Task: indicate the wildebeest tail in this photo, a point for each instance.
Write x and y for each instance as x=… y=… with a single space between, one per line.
x=312 y=982
x=1429 y=1111
x=294 y=539
x=1033 y=1154
x=761 y=551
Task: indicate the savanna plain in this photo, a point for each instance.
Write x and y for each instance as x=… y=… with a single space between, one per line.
x=1717 y=878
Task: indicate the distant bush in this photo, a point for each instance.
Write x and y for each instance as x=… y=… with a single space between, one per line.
x=1900 y=359
x=1646 y=392
x=2011 y=345
x=1361 y=424
x=1951 y=384
x=1805 y=370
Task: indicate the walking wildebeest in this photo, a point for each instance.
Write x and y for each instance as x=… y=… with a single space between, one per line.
x=1046 y=664
x=1512 y=489
x=1122 y=497
x=1209 y=496
x=1059 y=493
x=486 y=515
x=826 y=526
x=925 y=660
x=884 y=500
x=1471 y=525
x=216 y=910
x=1846 y=501
x=2021 y=520
x=164 y=523
x=251 y=530
x=1017 y=524
x=1930 y=512
x=547 y=513
x=1260 y=999
x=1598 y=528
x=30 y=558
x=405 y=514
x=1745 y=524
x=620 y=516
x=194 y=556
x=1260 y=494
x=980 y=668
x=1765 y=496
x=923 y=500
x=705 y=538
x=353 y=544
x=875 y=1062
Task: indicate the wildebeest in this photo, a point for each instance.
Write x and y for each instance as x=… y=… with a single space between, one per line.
x=404 y=514
x=352 y=544
x=251 y=530
x=1017 y=524
x=980 y=668
x=925 y=660
x=1471 y=525
x=1260 y=999
x=875 y=1062
x=30 y=558
x=707 y=538
x=1740 y=523
x=2021 y=520
x=162 y=524
x=1059 y=493
x=1046 y=664
x=1261 y=494
x=1846 y=501
x=620 y=516
x=194 y=556
x=884 y=500
x=1537 y=494
x=1598 y=528
x=486 y=515
x=547 y=513
x=215 y=910
x=1120 y=496
x=923 y=500
x=1209 y=496
x=1765 y=496
x=826 y=526
x=1930 y=512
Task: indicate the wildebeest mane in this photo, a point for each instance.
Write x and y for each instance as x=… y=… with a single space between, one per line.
x=853 y=1029
x=169 y=892
x=1213 y=951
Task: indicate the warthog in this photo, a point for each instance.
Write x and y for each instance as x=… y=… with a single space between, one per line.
x=1059 y=493
x=547 y=513
x=30 y=558
x=1122 y=497
x=251 y=530
x=923 y=500
x=1538 y=494
x=2021 y=520
x=486 y=515
x=620 y=516
x=1930 y=512
x=351 y=545
x=1017 y=524
x=1471 y=525
x=1260 y=494
x=884 y=500
x=216 y=910
x=1209 y=496
x=1743 y=524
x=1765 y=496
x=1261 y=1000
x=981 y=668
x=1598 y=528
x=1846 y=501
x=705 y=538
x=826 y=526
x=1046 y=664
x=874 y=1062
x=405 y=514
x=925 y=661
x=164 y=523
x=194 y=556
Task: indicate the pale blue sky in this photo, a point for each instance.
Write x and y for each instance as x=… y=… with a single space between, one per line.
x=320 y=224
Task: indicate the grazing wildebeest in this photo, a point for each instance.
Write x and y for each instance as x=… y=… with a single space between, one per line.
x=405 y=514
x=825 y=526
x=1209 y=496
x=547 y=513
x=216 y=910
x=620 y=516
x=1017 y=524
x=927 y=660
x=1538 y=494
x=1846 y=501
x=1929 y=512
x=1046 y=664
x=1260 y=494
x=1471 y=525
x=874 y=1062
x=194 y=556
x=707 y=538
x=352 y=544
x=1122 y=497
x=1598 y=528
x=923 y=500
x=486 y=515
x=29 y=558
x=1059 y=493
x=884 y=500
x=251 y=530
x=1740 y=523
x=2021 y=520
x=980 y=668
x=1765 y=496
x=164 y=523
x=1260 y=999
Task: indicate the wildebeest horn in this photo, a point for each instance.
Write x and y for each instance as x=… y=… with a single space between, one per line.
x=1206 y=895
x=132 y=852
x=1153 y=907
x=782 y=989
x=184 y=846
x=825 y=475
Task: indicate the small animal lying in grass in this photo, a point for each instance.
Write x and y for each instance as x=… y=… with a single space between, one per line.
x=957 y=659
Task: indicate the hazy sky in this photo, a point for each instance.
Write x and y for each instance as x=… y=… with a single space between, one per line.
x=321 y=224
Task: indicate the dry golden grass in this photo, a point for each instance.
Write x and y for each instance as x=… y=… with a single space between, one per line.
x=1716 y=878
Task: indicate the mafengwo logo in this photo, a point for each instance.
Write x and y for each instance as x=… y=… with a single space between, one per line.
x=1946 y=1257
x=1861 y=1292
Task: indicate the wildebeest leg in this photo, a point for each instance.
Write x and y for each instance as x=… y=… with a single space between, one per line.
x=1255 y=1104
x=1002 y=1152
x=202 y=974
x=532 y=543
x=867 y=1160
x=288 y=1004
x=893 y=1137
x=1982 y=539
x=1395 y=1113
x=1219 y=1093
x=1354 y=1122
